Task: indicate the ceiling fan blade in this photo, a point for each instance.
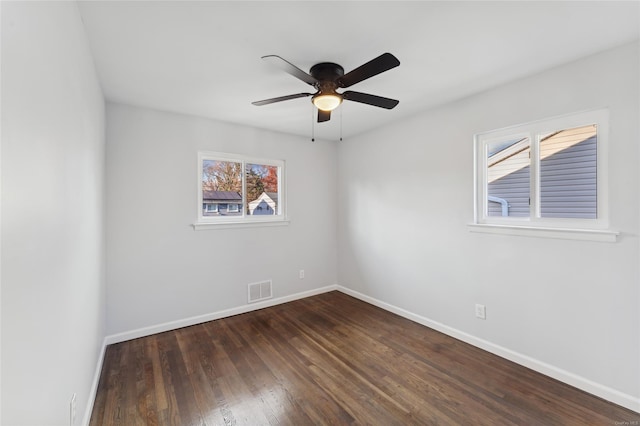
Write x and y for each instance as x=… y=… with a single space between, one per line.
x=281 y=98
x=288 y=67
x=382 y=63
x=323 y=116
x=374 y=100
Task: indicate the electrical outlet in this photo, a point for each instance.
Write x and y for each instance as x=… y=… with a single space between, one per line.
x=301 y=274
x=481 y=311
x=72 y=410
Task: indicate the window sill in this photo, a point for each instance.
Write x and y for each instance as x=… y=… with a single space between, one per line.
x=600 y=235
x=201 y=226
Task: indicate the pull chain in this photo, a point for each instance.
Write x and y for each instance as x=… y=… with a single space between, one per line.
x=313 y=135
x=341 y=124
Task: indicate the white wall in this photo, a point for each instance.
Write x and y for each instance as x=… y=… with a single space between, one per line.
x=159 y=269
x=53 y=294
x=406 y=197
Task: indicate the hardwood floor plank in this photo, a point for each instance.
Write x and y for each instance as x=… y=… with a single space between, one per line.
x=309 y=402
x=329 y=359
x=295 y=378
x=166 y=345
x=157 y=386
x=234 y=390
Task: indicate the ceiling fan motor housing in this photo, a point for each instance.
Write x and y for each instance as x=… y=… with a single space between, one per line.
x=327 y=74
x=326 y=71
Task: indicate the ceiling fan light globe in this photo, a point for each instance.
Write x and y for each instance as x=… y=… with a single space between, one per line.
x=327 y=102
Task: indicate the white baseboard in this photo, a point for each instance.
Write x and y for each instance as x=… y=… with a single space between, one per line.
x=94 y=385
x=173 y=325
x=597 y=389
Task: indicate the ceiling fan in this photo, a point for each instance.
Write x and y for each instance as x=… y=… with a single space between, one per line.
x=326 y=77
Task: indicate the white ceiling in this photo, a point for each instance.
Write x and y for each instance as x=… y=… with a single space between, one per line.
x=203 y=58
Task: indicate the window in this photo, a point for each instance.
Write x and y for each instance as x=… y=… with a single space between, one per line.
x=234 y=189
x=210 y=208
x=546 y=174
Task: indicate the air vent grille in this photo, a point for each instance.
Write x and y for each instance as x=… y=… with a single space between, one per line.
x=260 y=291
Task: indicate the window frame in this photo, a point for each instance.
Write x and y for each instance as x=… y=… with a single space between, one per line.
x=535 y=131
x=217 y=222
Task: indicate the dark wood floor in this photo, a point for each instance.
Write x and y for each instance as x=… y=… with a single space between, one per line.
x=329 y=359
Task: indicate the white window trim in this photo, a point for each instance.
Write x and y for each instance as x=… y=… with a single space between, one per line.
x=535 y=225
x=226 y=222
x=545 y=232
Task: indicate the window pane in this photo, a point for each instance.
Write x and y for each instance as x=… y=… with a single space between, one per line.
x=568 y=185
x=508 y=177
x=262 y=189
x=221 y=188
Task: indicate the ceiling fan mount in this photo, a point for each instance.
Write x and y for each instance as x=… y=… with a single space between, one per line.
x=326 y=71
x=327 y=77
